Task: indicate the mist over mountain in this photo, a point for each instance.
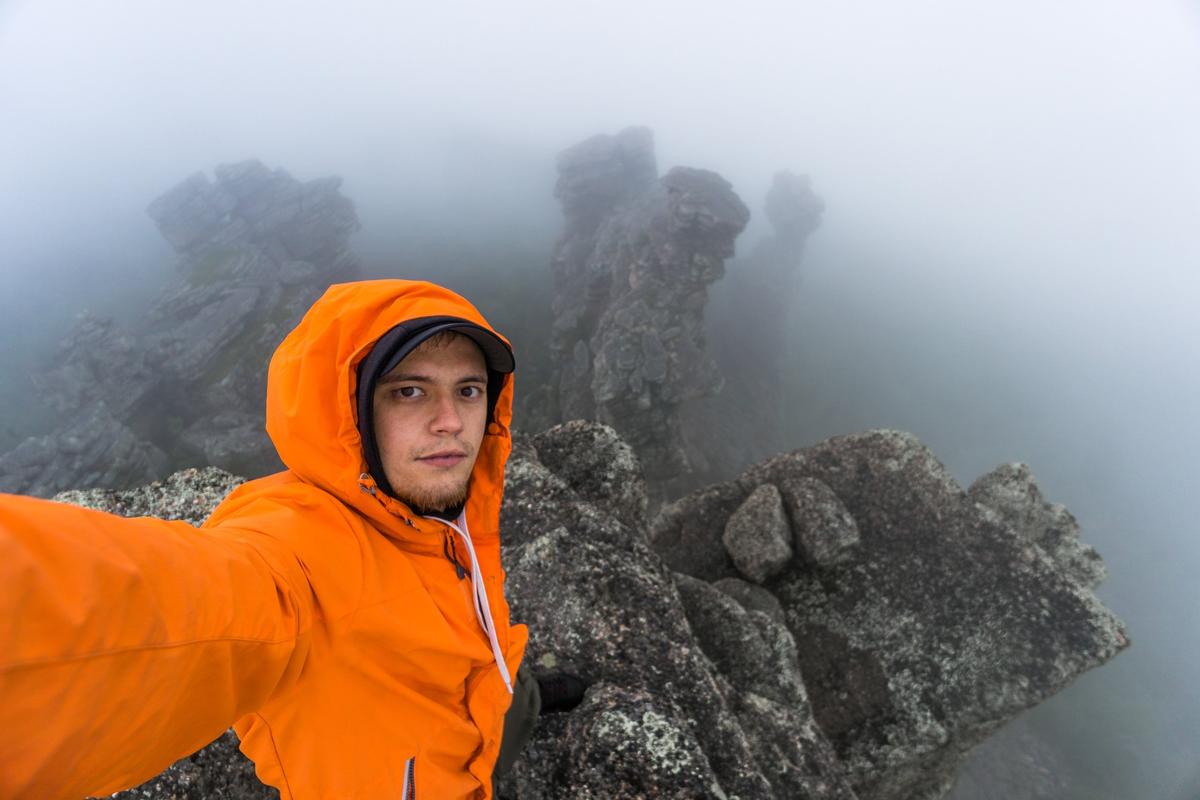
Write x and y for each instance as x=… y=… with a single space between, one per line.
x=1006 y=264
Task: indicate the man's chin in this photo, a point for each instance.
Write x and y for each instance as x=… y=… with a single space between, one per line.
x=433 y=502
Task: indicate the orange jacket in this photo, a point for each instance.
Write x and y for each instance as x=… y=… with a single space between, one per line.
x=321 y=618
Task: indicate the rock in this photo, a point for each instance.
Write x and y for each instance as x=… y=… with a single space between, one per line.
x=1010 y=491
x=595 y=463
x=936 y=627
x=603 y=173
x=620 y=740
x=631 y=273
x=186 y=382
x=94 y=449
x=192 y=345
x=756 y=653
x=600 y=604
x=702 y=209
x=794 y=211
x=192 y=211
x=189 y=495
x=681 y=532
x=825 y=531
x=757 y=656
x=751 y=597
x=235 y=440
x=537 y=500
x=217 y=771
x=757 y=536
x=97 y=360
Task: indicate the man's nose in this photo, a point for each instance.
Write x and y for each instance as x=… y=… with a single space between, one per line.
x=446 y=417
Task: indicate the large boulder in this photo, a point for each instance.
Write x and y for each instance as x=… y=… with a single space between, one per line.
x=757 y=535
x=940 y=619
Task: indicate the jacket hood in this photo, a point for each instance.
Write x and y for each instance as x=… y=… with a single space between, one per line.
x=311 y=399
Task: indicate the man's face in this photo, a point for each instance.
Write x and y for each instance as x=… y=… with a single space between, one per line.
x=430 y=415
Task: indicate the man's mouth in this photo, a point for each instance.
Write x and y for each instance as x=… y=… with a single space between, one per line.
x=444 y=458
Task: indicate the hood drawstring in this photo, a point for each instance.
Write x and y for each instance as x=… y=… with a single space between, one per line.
x=483 y=610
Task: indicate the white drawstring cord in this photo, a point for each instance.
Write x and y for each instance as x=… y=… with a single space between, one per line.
x=483 y=609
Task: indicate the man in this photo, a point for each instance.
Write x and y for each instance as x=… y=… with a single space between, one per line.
x=347 y=616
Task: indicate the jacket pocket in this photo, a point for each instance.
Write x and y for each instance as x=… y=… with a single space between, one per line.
x=409 y=787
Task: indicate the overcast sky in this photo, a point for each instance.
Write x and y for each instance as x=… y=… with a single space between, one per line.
x=1017 y=124
x=1010 y=183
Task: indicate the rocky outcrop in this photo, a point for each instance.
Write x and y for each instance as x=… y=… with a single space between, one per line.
x=662 y=719
x=1010 y=492
x=864 y=668
x=939 y=618
x=186 y=383
x=631 y=275
x=637 y=343
x=94 y=448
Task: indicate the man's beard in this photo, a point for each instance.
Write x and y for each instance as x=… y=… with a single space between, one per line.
x=430 y=501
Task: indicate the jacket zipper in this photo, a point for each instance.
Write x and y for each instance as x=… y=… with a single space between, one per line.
x=409 y=790
x=367 y=485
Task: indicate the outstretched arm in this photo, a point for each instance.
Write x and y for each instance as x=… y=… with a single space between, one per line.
x=126 y=644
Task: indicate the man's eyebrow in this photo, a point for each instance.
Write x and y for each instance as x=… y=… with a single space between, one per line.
x=412 y=377
x=398 y=377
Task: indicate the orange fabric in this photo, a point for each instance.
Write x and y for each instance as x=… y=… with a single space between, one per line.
x=324 y=619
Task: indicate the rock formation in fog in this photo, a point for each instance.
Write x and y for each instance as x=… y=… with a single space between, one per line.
x=631 y=275
x=187 y=384
x=748 y=322
x=839 y=622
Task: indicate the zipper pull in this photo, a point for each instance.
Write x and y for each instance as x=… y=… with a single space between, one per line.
x=451 y=554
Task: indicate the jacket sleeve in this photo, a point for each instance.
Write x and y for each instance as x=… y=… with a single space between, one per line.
x=126 y=644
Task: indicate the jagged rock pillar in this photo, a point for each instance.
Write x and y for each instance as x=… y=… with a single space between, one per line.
x=631 y=276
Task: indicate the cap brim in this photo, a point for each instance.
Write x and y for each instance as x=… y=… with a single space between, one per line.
x=496 y=354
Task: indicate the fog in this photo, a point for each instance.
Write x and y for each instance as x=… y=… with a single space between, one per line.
x=1007 y=264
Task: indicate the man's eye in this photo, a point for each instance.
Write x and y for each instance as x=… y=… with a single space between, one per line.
x=407 y=391
x=472 y=391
